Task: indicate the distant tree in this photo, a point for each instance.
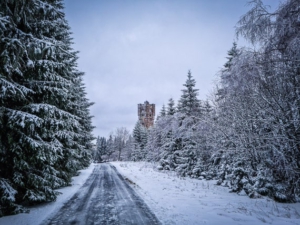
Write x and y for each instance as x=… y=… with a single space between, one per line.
x=163 y=111
x=110 y=147
x=126 y=154
x=171 y=110
x=121 y=137
x=140 y=141
x=157 y=136
x=101 y=149
x=188 y=102
x=232 y=53
x=207 y=108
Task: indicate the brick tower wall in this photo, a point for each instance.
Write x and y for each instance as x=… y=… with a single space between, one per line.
x=146 y=114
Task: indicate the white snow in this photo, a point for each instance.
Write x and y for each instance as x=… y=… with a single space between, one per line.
x=177 y=200
x=187 y=201
x=39 y=213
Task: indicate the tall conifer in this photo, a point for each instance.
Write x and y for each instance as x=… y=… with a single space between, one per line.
x=45 y=123
x=188 y=102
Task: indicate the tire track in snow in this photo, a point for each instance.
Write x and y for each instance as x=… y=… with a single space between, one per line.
x=105 y=199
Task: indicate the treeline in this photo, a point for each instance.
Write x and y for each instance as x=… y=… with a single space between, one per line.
x=122 y=146
x=45 y=124
x=247 y=135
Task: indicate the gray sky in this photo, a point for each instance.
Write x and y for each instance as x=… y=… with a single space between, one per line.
x=137 y=50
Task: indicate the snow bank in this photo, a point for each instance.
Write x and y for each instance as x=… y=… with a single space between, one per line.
x=177 y=200
x=40 y=212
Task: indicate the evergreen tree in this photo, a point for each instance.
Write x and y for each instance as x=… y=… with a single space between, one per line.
x=171 y=137
x=101 y=149
x=207 y=108
x=171 y=107
x=232 y=53
x=45 y=123
x=189 y=103
x=110 y=147
x=140 y=140
x=163 y=111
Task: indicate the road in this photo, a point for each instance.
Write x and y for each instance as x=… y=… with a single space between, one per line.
x=105 y=198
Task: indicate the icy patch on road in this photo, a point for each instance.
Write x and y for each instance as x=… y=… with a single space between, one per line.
x=40 y=212
x=176 y=200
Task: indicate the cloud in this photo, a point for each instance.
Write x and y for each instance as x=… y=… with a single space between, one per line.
x=132 y=51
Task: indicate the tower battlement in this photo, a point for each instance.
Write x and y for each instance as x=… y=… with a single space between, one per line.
x=146 y=114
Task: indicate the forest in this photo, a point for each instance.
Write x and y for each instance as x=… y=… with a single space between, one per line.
x=246 y=135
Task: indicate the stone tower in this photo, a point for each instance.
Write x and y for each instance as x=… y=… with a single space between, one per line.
x=146 y=113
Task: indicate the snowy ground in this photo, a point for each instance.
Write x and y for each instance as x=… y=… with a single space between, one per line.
x=39 y=213
x=186 y=201
x=176 y=200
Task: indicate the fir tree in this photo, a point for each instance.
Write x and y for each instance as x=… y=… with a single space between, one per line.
x=45 y=123
x=162 y=112
x=207 y=108
x=101 y=149
x=171 y=107
x=140 y=140
x=110 y=147
x=189 y=103
x=232 y=53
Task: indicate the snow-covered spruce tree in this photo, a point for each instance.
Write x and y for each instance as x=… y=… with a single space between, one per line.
x=172 y=134
x=163 y=111
x=153 y=144
x=101 y=149
x=82 y=111
x=40 y=130
x=185 y=157
x=189 y=111
x=77 y=143
x=232 y=53
x=171 y=109
x=140 y=140
x=157 y=137
x=207 y=107
x=110 y=148
x=226 y=116
x=189 y=104
x=202 y=133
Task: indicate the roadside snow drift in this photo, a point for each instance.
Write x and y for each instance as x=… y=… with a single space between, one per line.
x=38 y=213
x=186 y=201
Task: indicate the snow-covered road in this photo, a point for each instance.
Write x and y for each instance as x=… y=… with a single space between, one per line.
x=100 y=195
x=105 y=198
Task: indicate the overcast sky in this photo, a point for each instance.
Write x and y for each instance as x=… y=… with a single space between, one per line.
x=137 y=50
